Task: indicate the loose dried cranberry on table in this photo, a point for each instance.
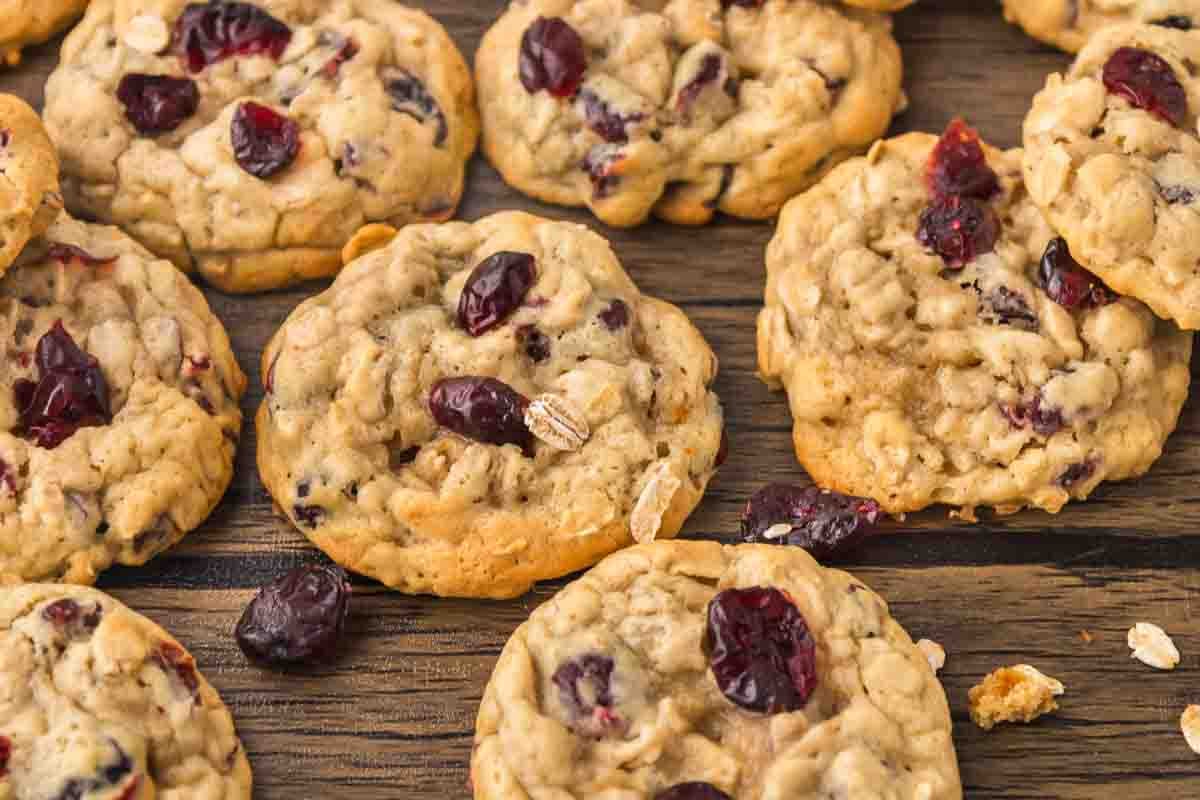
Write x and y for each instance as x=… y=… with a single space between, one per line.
x=298 y=618
x=1147 y=81
x=959 y=229
x=1069 y=284
x=483 y=409
x=585 y=689
x=616 y=315
x=206 y=33
x=693 y=790
x=494 y=290
x=823 y=523
x=70 y=393
x=264 y=141
x=552 y=57
x=157 y=103
x=409 y=96
x=958 y=166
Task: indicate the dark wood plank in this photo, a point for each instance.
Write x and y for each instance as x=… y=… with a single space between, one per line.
x=393 y=717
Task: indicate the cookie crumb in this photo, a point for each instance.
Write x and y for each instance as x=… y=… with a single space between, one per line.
x=1086 y=636
x=1189 y=723
x=1151 y=646
x=1019 y=693
x=934 y=653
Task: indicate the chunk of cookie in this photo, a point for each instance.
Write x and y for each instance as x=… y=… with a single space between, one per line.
x=939 y=345
x=691 y=670
x=98 y=701
x=118 y=406
x=29 y=195
x=473 y=408
x=30 y=22
x=697 y=107
x=1013 y=694
x=1113 y=159
x=1068 y=24
x=249 y=142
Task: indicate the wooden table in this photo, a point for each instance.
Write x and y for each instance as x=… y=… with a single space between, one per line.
x=393 y=718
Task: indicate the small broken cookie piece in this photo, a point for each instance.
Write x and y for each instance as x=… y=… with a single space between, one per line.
x=1013 y=694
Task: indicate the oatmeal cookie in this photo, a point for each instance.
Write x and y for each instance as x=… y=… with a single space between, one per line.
x=29 y=22
x=29 y=196
x=118 y=406
x=97 y=701
x=249 y=142
x=1113 y=159
x=475 y=407
x=1068 y=24
x=692 y=671
x=940 y=345
x=698 y=107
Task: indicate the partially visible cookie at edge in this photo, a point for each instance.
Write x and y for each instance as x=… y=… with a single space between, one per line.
x=29 y=193
x=1068 y=24
x=29 y=22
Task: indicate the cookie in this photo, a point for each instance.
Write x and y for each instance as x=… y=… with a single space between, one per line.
x=1068 y=24
x=473 y=408
x=697 y=107
x=29 y=22
x=940 y=345
x=118 y=406
x=249 y=142
x=96 y=701
x=1113 y=159
x=692 y=671
x=29 y=195
x=880 y=5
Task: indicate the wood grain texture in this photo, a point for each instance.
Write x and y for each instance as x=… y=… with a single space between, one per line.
x=393 y=718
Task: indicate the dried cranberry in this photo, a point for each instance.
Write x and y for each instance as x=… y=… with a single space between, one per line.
x=70 y=392
x=599 y=163
x=693 y=790
x=170 y=657
x=606 y=121
x=1069 y=284
x=552 y=57
x=1147 y=81
x=1044 y=420
x=308 y=515
x=958 y=167
x=823 y=523
x=1176 y=21
x=535 y=343
x=958 y=229
x=108 y=777
x=710 y=70
x=264 y=141
x=206 y=33
x=1077 y=473
x=585 y=689
x=409 y=96
x=760 y=650
x=616 y=315
x=68 y=253
x=1002 y=306
x=62 y=613
x=483 y=409
x=297 y=619
x=157 y=103
x=494 y=290
x=5 y=755
x=1177 y=195
x=347 y=49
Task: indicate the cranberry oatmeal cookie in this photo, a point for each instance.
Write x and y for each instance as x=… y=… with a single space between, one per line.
x=682 y=108
x=97 y=701
x=118 y=406
x=1068 y=24
x=692 y=671
x=1113 y=159
x=476 y=407
x=250 y=141
x=939 y=345
x=29 y=22
x=29 y=196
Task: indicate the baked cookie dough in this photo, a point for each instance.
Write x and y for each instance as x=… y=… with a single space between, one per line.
x=29 y=22
x=697 y=107
x=939 y=345
x=475 y=407
x=1113 y=159
x=1068 y=24
x=880 y=5
x=118 y=406
x=97 y=701
x=688 y=671
x=29 y=195
x=249 y=142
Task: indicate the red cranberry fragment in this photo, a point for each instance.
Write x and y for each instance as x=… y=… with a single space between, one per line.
x=1044 y=420
x=1147 y=81
x=483 y=409
x=1177 y=195
x=157 y=103
x=264 y=141
x=1069 y=284
x=206 y=33
x=760 y=650
x=5 y=755
x=600 y=165
x=170 y=657
x=535 y=343
x=585 y=689
x=606 y=121
x=494 y=290
x=616 y=315
x=298 y=618
x=409 y=96
x=693 y=790
x=347 y=49
x=710 y=70
x=70 y=392
x=958 y=167
x=62 y=613
x=1002 y=306
x=107 y=777
x=308 y=515
x=67 y=253
x=823 y=523
x=552 y=57
x=1077 y=473
x=959 y=229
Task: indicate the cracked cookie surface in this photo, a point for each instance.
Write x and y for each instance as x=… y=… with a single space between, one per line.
x=475 y=407
x=97 y=701
x=986 y=368
x=683 y=108
x=608 y=690
x=30 y=22
x=1068 y=24
x=118 y=406
x=29 y=195
x=249 y=142
x=1113 y=159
